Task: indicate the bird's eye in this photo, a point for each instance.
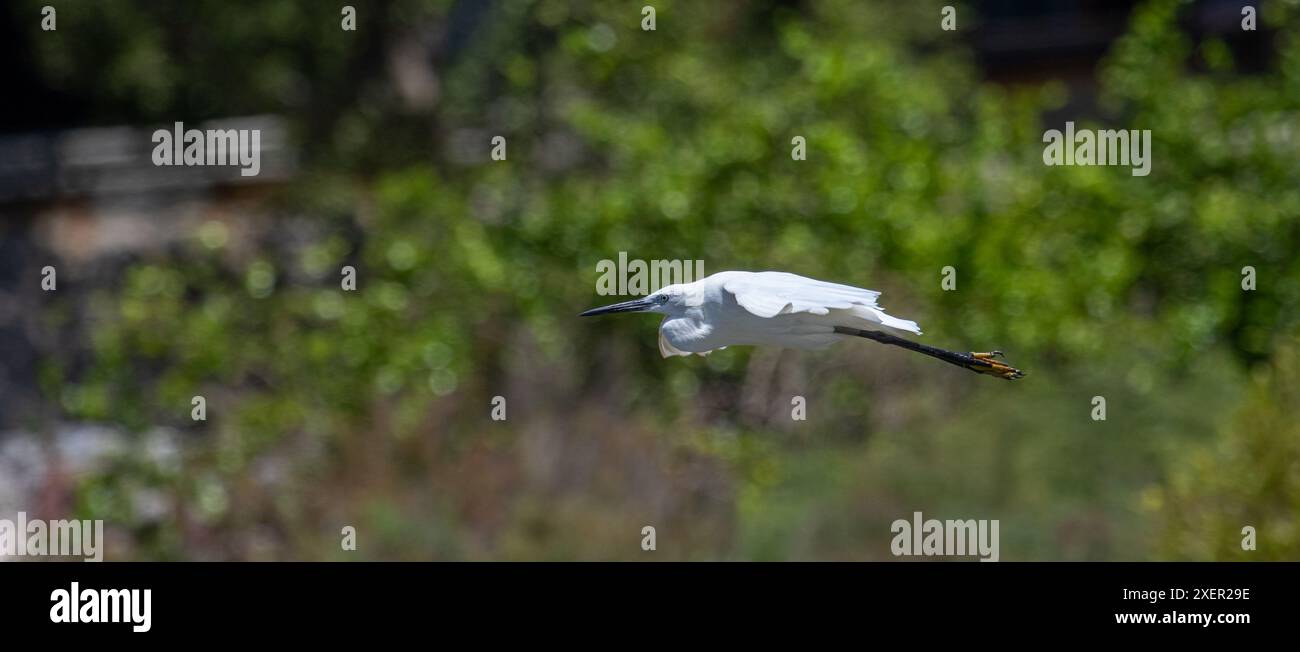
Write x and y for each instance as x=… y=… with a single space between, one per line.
x=661 y=299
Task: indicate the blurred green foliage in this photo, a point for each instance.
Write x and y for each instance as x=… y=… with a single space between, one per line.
x=1248 y=476
x=370 y=408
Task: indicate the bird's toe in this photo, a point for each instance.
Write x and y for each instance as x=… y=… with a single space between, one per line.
x=985 y=363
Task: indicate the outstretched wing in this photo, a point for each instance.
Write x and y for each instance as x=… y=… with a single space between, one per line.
x=768 y=294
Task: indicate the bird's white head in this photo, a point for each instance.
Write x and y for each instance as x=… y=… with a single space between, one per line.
x=670 y=299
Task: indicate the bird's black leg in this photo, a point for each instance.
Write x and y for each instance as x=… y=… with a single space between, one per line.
x=981 y=363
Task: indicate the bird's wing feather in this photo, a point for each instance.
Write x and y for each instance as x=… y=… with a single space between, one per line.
x=768 y=294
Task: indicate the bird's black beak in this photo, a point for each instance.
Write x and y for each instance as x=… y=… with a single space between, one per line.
x=635 y=305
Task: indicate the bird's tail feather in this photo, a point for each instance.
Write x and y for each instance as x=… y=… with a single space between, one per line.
x=878 y=316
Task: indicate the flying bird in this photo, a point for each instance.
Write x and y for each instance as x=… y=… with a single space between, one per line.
x=782 y=309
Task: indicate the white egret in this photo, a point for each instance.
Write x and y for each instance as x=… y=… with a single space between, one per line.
x=781 y=309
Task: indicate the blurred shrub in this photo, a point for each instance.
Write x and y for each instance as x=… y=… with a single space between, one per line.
x=1249 y=475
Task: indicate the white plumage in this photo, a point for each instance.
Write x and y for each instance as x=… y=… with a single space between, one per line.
x=781 y=309
x=759 y=308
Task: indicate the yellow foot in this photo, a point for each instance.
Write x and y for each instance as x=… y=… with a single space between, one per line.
x=988 y=363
